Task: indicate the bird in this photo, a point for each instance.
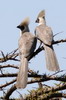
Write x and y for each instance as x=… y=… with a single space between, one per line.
x=26 y=45
x=45 y=34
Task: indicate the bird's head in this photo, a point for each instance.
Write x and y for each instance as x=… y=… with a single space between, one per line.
x=41 y=17
x=24 y=25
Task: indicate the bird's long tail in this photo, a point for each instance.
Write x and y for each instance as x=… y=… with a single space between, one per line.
x=22 y=74
x=51 y=60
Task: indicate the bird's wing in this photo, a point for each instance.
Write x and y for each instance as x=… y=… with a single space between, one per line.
x=27 y=44
x=45 y=34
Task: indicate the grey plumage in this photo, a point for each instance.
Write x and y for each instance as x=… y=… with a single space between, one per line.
x=27 y=45
x=45 y=34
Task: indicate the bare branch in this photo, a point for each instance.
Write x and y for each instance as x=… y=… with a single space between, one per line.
x=9 y=92
x=39 y=77
x=59 y=41
x=13 y=54
x=57 y=33
x=8 y=83
x=8 y=75
x=8 y=65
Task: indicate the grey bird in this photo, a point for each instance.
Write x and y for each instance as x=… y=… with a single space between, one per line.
x=27 y=45
x=45 y=34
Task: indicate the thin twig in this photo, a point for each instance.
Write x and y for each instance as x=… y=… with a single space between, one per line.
x=8 y=83
x=57 y=33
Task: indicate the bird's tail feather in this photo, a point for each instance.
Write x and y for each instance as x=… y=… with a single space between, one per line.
x=51 y=60
x=22 y=74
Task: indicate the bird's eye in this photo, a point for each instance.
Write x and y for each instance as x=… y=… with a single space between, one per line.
x=43 y=17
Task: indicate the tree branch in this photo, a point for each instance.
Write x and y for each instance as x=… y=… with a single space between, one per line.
x=8 y=83
x=9 y=92
x=13 y=54
x=39 y=78
x=47 y=93
x=53 y=95
x=8 y=65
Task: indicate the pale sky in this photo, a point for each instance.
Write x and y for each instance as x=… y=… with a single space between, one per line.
x=12 y=12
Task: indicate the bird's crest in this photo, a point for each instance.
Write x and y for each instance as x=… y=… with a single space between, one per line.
x=41 y=14
x=25 y=21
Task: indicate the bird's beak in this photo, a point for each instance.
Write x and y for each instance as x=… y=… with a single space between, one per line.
x=37 y=21
x=18 y=26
